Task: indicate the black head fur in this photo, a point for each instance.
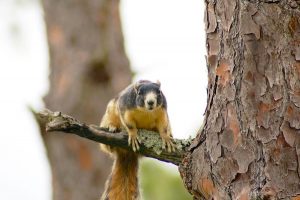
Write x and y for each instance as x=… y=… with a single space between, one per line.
x=144 y=88
x=134 y=96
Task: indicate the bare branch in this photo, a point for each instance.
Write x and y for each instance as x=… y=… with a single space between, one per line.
x=150 y=141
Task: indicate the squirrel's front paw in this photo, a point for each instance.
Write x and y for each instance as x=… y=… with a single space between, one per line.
x=134 y=141
x=112 y=128
x=168 y=142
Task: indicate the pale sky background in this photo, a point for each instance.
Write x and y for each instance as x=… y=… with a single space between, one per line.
x=165 y=41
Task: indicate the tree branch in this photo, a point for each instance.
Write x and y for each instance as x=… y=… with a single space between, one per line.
x=150 y=141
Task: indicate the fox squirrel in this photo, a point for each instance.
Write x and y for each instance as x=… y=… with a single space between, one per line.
x=139 y=106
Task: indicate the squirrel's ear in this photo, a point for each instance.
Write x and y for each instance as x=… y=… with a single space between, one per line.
x=158 y=83
x=135 y=86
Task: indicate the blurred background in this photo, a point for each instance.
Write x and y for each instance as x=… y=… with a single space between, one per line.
x=74 y=56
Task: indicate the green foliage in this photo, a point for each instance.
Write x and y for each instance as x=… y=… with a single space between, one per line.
x=161 y=183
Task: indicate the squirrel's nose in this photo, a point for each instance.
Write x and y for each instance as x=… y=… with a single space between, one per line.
x=150 y=103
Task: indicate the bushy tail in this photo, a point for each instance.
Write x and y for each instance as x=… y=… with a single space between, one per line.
x=122 y=183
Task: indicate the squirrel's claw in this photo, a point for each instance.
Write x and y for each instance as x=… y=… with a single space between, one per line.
x=168 y=142
x=134 y=142
x=112 y=128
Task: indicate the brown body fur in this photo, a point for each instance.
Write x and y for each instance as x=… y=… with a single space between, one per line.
x=122 y=183
x=156 y=120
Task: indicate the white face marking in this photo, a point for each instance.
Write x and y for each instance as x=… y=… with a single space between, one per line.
x=150 y=101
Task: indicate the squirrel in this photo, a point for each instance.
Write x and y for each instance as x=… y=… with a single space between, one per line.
x=141 y=105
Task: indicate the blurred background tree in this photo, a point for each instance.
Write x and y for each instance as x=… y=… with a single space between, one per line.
x=88 y=67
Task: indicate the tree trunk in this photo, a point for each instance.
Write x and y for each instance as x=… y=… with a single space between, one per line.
x=88 y=67
x=249 y=147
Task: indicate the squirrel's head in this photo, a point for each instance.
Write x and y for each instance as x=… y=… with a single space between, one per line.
x=148 y=95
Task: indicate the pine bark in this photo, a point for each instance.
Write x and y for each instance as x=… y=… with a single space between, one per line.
x=88 y=66
x=249 y=147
